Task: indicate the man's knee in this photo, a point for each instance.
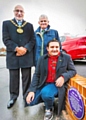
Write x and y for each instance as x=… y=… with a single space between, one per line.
x=47 y=97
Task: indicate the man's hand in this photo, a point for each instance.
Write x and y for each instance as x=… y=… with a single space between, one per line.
x=59 y=82
x=30 y=97
x=20 y=51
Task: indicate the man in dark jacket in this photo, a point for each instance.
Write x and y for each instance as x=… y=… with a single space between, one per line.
x=19 y=39
x=43 y=35
x=52 y=72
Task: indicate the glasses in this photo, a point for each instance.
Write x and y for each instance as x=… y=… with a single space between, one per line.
x=43 y=21
x=21 y=11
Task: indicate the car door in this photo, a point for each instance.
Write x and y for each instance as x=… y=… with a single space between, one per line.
x=82 y=47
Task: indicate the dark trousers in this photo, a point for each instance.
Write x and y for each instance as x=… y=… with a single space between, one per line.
x=15 y=81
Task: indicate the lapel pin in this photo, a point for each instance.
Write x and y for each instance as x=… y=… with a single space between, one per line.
x=60 y=60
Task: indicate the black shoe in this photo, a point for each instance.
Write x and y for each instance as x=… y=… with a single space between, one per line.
x=11 y=103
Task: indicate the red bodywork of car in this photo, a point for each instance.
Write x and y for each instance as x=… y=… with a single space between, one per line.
x=76 y=47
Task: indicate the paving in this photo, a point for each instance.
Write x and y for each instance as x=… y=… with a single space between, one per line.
x=18 y=111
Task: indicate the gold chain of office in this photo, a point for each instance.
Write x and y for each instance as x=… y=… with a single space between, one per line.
x=19 y=29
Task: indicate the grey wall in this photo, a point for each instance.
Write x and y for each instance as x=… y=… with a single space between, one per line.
x=67 y=16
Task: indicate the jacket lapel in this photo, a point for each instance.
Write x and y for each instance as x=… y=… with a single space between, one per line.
x=16 y=21
x=46 y=64
x=23 y=21
x=59 y=62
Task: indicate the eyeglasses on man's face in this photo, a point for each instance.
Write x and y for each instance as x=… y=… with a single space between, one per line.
x=43 y=21
x=21 y=11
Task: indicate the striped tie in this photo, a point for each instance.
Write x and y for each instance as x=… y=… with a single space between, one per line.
x=42 y=46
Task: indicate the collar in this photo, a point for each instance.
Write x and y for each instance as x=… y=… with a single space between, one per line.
x=18 y=20
x=43 y=29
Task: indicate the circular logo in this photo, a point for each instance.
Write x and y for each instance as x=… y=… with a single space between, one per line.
x=76 y=103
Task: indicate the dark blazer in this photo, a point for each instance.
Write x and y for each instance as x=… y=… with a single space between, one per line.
x=65 y=67
x=12 y=39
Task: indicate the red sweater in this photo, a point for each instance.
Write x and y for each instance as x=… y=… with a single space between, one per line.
x=52 y=62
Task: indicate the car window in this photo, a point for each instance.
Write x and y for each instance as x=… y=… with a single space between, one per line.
x=62 y=38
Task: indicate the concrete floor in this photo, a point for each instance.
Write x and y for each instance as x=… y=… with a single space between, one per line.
x=17 y=112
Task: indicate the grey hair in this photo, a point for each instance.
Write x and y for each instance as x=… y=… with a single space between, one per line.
x=18 y=6
x=43 y=16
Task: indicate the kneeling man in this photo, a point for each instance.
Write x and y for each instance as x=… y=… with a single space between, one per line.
x=52 y=72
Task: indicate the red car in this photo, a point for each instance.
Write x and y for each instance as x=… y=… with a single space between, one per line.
x=76 y=47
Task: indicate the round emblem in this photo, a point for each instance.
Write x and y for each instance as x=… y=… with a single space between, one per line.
x=19 y=30
x=76 y=103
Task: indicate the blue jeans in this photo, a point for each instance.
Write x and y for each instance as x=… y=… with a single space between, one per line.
x=46 y=95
